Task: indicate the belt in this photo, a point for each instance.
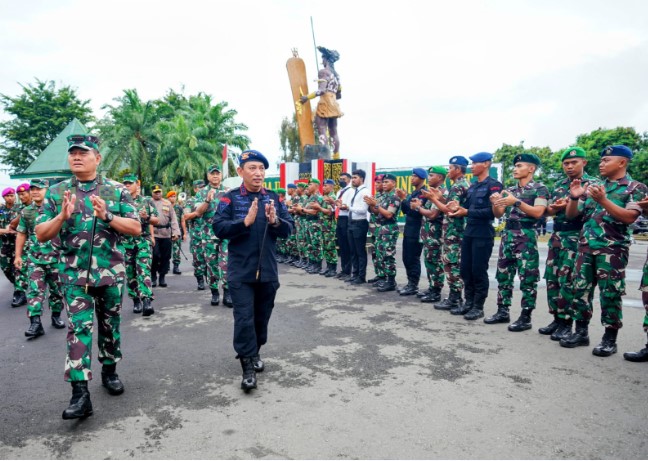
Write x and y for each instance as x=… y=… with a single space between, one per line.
x=359 y=220
x=517 y=225
x=166 y=226
x=567 y=226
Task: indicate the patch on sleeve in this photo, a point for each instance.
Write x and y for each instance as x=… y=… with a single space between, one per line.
x=223 y=203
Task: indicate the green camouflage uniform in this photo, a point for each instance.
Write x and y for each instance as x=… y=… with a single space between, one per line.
x=518 y=251
x=214 y=250
x=291 y=242
x=42 y=261
x=8 y=248
x=603 y=252
x=644 y=293
x=372 y=238
x=177 y=245
x=561 y=254
x=329 y=225
x=193 y=227
x=314 y=229
x=387 y=236
x=453 y=229
x=106 y=276
x=301 y=225
x=139 y=253
x=431 y=237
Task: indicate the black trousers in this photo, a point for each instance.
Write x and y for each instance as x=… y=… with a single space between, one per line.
x=161 y=257
x=475 y=253
x=358 y=244
x=253 y=304
x=412 y=250
x=342 y=234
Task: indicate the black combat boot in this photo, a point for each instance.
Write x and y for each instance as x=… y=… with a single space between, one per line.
x=227 y=298
x=501 y=316
x=388 y=285
x=453 y=300
x=476 y=310
x=57 y=322
x=80 y=404
x=162 y=282
x=137 y=306
x=147 y=308
x=608 y=343
x=433 y=296
x=332 y=270
x=258 y=364
x=35 y=327
x=422 y=293
x=201 y=282
x=215 y=301
x=409 y=290
x=563 y=330
x=579 y=337
x=110 y=380
x=377 y=282
x=640 y=356
x=523 y=323
x=324 y=269
x=463 y=309
x=19 y=299
x=551 y=328
x=316 y=267
x=249 y=381
x=176 y=269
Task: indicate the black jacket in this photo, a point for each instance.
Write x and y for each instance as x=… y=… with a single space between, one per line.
x=480 y=210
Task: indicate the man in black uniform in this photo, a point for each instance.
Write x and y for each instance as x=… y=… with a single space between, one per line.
x=412 y=247
x=479 y=236
x=252 y=218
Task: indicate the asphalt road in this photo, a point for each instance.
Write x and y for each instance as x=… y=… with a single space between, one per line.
x=350 y=374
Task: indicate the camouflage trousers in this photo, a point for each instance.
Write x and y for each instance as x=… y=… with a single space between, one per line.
x=561 y=258
x=106 y=302
x=215 y=254
x=518 y=254
x=372 y=239
x=432 y=256
x=20 y=276
x=385 y=264
x=138 y=269
x=452 y=263
x=42 y=277
x=281 y=246
x=302 y=238
x=197 y=257
x=644 y=293
x=291 y=244
x=314 y=241
x=175 y=251
x=329 y=249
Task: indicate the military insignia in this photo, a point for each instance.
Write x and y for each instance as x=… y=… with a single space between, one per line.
x=572 y=153
x=608 y=151
x=245 y=156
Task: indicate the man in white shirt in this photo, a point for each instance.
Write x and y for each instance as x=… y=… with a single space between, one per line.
x=353 y=202
x=342 y=228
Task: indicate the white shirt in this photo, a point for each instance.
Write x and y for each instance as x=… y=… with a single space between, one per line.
x=354 y=199
x=342 y=194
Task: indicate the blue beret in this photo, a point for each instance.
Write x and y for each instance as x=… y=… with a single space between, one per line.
x=330 y=182
x=291 y=186
x=420 y=172
x=617 y=151
x=459 y=160
x=253 y=156
x=482 y=157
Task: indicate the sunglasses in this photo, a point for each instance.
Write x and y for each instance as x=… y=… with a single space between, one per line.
x=87 y=140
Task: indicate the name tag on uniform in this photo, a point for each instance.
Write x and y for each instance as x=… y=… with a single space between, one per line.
x=165 y=208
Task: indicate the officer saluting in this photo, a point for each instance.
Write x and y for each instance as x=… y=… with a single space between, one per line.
x=252 y=266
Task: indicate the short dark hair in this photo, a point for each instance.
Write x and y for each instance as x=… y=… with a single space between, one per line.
x=360 y=173
x=346 y=174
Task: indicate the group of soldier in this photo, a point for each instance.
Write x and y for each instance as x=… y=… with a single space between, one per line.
x=452 y=227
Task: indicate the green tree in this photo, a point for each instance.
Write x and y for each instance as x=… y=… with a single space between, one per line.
x=38 y=115
x=595 y=141
x=546 y=174
x=289 y=141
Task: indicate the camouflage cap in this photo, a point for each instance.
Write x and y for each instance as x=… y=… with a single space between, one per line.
x=213 y=168
x=573 y=152
x=129 y=178
x=39 y=183
x=82 y=141
x=199 y=183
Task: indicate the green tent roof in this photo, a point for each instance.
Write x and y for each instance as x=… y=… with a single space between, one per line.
x=53 y=161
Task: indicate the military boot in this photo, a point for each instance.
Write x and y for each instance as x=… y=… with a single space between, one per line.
x=579 y=337
x=176 y=269
x=215 y=299
x=640 y=356
x=549 y=329
x=110 y=380
x=463 y=309
x=35 y=327
x=453 y=300
x=433 y=296
x=501 y=316
x=377 y=278
x=80 y=404
x=608 y=343
x=332 y=270
x=147 y=308
x=162 y=281
x=563 y=330
x=227 y=298
x=388 y=285
x=409 y=290
x=422 y=293
x=523 y=323
x=324 y=270
x=201 y=282
x=249 y=380
x=137 y=306
x=476 y=310
x=19 y=299
x=376 y=282
x=258 y=364
x=316 y=267
x=57 y=322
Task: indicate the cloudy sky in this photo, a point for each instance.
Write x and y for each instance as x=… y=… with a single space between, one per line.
x=422 y=81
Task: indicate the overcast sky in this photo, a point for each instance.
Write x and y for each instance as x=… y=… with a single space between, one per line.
x=422 y=81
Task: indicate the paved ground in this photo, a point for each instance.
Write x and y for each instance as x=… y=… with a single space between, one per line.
x=350 y=374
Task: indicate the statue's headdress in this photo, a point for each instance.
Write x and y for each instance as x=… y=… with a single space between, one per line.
x=330 y=55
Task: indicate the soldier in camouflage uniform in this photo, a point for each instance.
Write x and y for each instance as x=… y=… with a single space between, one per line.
x=452 y=230
x=312 y=219
x=139 y=250
x=524 y=204
x=213 y=248
x=329 y=225
x=177 y=244
x=608 y=210
x=41 y=260
x=431 y=236
x=372 y=234
x=89 y=213
x=193 y=226
x=563 y=245
x=21 y=276
x=301 y=225
x=8 y=212
x=386 y=210
x=282 y=244
x=291 y=242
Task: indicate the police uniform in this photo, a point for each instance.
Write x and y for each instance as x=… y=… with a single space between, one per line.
x=412 y=246
x=164 y=232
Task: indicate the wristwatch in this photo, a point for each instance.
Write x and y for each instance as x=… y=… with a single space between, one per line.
x=109 y=217
x=517 y=203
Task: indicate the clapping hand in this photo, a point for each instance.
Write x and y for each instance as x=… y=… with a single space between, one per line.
x=252 y=212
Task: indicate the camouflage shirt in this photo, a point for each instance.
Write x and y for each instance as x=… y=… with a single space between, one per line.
x=37 y=252
x=141 y=203
x=390 y=202
x=6 y=216
x=179 y=211
x=601 y=232
x=205 y=230
x=454 y=227
x=107 y=249
x=561 y=190
x=534 y=194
